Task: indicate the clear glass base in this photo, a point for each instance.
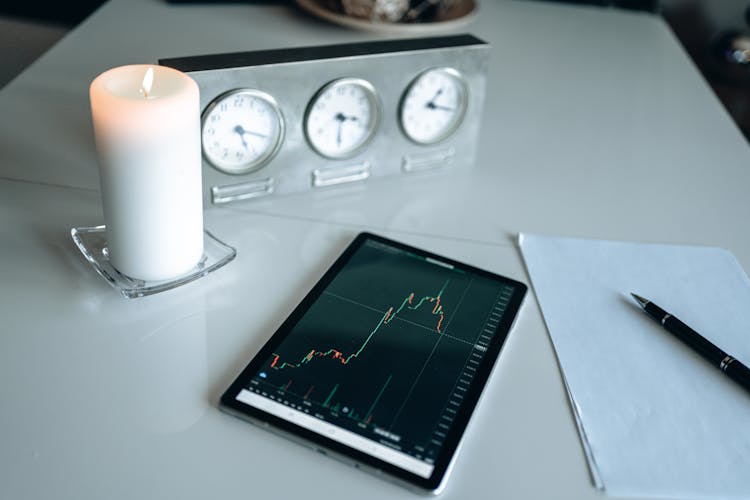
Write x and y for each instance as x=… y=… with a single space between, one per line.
x=92 y=242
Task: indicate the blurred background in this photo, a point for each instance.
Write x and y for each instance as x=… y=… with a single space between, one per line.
x=715 y=33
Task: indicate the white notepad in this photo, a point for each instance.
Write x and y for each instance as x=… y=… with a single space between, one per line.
x=655 y=418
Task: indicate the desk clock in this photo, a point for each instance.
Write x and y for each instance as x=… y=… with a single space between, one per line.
x=289 y=120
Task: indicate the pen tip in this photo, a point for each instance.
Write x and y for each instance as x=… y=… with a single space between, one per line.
x=641 y=301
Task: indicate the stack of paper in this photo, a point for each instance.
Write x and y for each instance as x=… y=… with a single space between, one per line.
x=655 y=418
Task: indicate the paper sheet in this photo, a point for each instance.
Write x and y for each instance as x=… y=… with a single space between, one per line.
x=656 y=419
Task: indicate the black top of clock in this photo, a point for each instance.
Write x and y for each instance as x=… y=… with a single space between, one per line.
x=277 y=56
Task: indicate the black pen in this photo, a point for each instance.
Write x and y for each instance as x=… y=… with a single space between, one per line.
x=721 y=360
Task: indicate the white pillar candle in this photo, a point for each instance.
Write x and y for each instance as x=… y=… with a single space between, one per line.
x=147 y=131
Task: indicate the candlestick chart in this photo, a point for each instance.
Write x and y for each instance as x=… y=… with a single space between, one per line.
x=389 y=348
x=388 y=316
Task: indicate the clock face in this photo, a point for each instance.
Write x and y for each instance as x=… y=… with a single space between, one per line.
x=433 y=105
x=342 y=117
x=242 y=130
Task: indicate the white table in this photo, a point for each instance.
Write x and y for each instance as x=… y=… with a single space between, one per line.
x=596 y=124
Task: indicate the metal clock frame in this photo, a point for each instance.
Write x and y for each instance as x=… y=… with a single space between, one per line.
x=292 y=75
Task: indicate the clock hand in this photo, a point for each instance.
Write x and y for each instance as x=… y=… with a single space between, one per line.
x=432 y=105
x=338 y=131
x=431 y=102
x=256 y=134
x=241 y=132
x=341 y=117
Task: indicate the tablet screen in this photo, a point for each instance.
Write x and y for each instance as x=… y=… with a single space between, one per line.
x=386 y=356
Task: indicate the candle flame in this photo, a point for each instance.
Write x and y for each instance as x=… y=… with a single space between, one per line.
x=148 y=81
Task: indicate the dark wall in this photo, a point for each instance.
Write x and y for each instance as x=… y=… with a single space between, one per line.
x=66 y=13
x=701 y=26
x=705 y=28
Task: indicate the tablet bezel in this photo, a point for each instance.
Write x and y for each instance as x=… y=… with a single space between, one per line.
x=450 y=447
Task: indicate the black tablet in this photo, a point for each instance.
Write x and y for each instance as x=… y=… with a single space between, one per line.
x=383 y=362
